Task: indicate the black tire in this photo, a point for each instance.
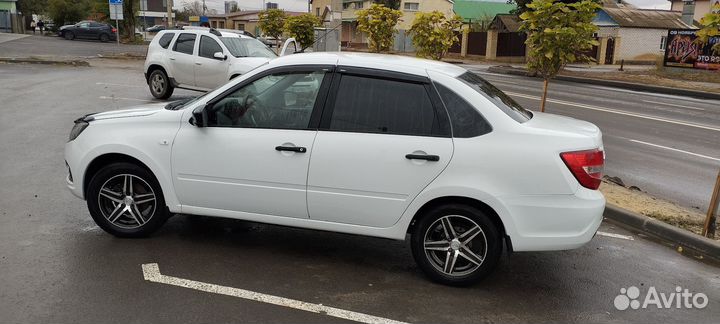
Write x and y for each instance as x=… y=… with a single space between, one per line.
x=69 y=35
x=105 y=207
x=162 y=89
x=466 y=218
x=104 y=38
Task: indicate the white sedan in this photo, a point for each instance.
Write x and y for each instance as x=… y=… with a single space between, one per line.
x=355 y=143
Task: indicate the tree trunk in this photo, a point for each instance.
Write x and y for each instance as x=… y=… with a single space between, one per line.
x=544 y=96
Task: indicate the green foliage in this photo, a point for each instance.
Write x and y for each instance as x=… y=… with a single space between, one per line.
x=29 y=7
x=557 y=34
x=711 y=28
x=130 y=14
x=378 y=22
x=392 y=4
x=272 y=22
x=68 y=11
x=433 y=34
x=302 y=28
x=100 y=10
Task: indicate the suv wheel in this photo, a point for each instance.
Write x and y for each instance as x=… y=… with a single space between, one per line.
x=69 y=35
x=456 y=244
x=160 y=86
x=104 y=38
x=125 y=200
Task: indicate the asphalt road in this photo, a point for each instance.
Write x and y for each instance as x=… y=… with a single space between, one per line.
x=669 y=146
x=56 y=47
x=57 y=266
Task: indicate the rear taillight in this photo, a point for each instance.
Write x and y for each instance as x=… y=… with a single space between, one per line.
x=586 y=166
x=114 y=30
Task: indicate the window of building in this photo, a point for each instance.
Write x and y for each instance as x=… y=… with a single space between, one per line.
x=411 y=6
x=663 y=41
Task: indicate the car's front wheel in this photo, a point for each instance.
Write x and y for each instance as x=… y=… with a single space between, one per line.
x=456 y=244
x=160 y=86
x=104 y=38
x=125 y=200
x=69 y=35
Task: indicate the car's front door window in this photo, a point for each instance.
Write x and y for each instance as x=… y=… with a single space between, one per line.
x=208 y=47
x=283 y=100
x=185 y=43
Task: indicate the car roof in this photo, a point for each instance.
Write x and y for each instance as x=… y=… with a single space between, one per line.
x=395 y=63
x=205 y=31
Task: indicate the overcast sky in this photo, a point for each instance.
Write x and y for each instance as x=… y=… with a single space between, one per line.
x=301 y=5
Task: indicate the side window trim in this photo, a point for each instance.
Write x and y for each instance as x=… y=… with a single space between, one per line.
x=439 y=109
x=319 y=101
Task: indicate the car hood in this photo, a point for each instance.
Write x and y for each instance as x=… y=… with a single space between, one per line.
x=144 y=110
x=66 y=26
x=242 y=65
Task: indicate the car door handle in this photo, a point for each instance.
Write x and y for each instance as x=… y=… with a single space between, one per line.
x=426 y=157
x=171 y=58
x=198 y=63
x=298 y=149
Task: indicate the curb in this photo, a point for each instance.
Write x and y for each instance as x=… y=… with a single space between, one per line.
x=663 y=231
x=43 y=61
x=616 y=84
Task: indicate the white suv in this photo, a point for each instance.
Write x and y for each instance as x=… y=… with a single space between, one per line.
x=200 y=59
x=354 y=143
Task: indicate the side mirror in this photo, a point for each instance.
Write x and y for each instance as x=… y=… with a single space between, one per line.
x=199 y=117
x=220 y=56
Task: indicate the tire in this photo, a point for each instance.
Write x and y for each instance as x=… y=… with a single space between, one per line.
x=69 y=35
x=126 y=200
x=485 y=245
x=159 y=84
x=104 y=38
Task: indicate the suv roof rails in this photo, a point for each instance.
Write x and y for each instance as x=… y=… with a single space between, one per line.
x=212 y=30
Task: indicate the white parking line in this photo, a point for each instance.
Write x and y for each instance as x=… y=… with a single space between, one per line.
x=673 y=105
x=674 y=149
x=624 y=237
x=151 y=272
x=613 y=111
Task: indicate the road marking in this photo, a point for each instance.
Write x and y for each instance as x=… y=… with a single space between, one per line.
x=624 y=237
x=613 y=111
x=120 y=84
x=674 y=149
x=673 y=105
x=123 y=98
x=151 y=272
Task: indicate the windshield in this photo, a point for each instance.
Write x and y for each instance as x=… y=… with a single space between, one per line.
x=499 y=98
x=247 y=47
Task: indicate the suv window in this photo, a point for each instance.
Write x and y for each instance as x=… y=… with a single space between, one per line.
x=282 y=100
x=371 y=105
x=84 y=25
x=499 y=98
x=185 y=43
x=465 y=119
x=208 y=47
x=165 y=40
x=95 y=25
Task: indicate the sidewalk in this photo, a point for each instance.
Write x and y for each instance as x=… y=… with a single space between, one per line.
x=6 y=37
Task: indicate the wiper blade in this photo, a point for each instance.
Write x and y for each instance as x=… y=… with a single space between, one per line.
x=176 y=104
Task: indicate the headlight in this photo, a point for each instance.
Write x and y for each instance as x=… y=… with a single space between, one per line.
x=77 y=129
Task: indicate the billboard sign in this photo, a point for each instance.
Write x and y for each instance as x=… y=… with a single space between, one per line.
x=681 y=50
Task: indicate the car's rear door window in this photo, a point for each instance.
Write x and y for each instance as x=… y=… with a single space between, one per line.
x=375 y=105
x=208 y=47
x=185 y=43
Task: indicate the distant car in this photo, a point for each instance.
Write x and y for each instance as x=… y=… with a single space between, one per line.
x=155 y=29
x=200 y=59
x=88 y=30
x=354 y=143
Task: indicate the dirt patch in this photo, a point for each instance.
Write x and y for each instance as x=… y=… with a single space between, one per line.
x=691 y=80
x=640 y=202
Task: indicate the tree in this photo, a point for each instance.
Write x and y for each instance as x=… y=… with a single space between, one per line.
x=711 y=28
x=68 y=11
x=558 y=34
x=379 y=23
x=130 y=14
x=100 y=10
x=272 y=23
x=32 y=7
x=302 y=28
x=433 y=34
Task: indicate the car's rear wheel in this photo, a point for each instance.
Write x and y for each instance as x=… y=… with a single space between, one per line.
x=69 y=35
x=125 y=200
x=456 y=244
x=104 y=37
x=160 y=86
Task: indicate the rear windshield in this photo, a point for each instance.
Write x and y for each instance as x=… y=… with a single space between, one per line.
x=499 y=98
x=247 y=47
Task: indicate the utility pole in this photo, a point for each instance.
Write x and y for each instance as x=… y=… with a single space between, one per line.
x=169 y=14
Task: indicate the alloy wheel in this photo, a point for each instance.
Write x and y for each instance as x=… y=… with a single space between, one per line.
x=127 y=201
x=455 y=245
x=158 y=83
